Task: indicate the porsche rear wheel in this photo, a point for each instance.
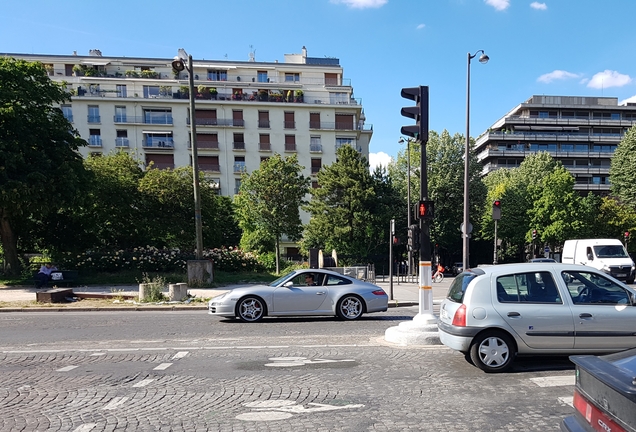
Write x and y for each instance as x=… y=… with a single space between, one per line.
x=350 y=307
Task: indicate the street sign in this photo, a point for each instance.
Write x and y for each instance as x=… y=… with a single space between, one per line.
x=546 y=249
x=470 y=228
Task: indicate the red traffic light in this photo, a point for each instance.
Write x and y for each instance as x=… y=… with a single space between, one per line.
x=425 y=210
x=626 y=234
x=497 y=203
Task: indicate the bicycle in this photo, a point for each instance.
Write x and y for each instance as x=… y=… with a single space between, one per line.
x=438 y=276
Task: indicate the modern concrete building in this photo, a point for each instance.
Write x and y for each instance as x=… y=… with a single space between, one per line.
x=581 y=132
x=245 y=111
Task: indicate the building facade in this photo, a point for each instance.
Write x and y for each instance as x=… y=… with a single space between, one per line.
x=245 y=111
x=581 y=132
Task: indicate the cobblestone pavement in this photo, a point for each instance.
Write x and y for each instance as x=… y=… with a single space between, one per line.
x=293 y=387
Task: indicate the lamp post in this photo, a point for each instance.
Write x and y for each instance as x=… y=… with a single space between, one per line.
x=179 y=65
x=408 y=194
x=466 y=227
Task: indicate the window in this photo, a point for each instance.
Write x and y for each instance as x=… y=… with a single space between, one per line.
x=67 y=111
x=151 y=91
x=160 y=161
x=262 y=76
x=120 y=90
x=289 y=122
x=264 y=158
x=263 y=119
x=535 y=287
x=292 y=77
x=290 y=143
x=581 y=147
x=208 y=163
x=158 y=116
x=237 y=185
x=339 y=98
x=93 y=114
x=331 y=79
x=122 y=138
x=208 y=141
x=158 y=139
x=237 y=118
x=585 y=288
x=239 y=164
x=217 y=75
x=264 y=143
x=315 y=145
x=314 y=120
x=567 y=147
x=316 y=164
x=120 y=114
x=95 y=138
x=345 y=141
x=344 y=121
x=205 y=117
x=239 y=141
x=314 y=184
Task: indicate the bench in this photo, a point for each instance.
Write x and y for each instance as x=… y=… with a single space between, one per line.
x=68 y=278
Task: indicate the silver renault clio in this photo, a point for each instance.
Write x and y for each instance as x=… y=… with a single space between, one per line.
x=495 y=313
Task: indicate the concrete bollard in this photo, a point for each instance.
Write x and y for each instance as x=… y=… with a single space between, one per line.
x=178 y=291
x=143 y=291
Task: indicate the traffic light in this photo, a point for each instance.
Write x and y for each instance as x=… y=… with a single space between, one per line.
x=496 y=210
x=414 y=237
x=419 y=112
x=626 y=236
x=425 y=210
x=534 y=234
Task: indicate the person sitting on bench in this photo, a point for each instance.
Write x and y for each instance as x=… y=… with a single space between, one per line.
x=44 y=275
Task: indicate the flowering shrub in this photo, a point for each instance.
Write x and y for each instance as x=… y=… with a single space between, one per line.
x=151 y=259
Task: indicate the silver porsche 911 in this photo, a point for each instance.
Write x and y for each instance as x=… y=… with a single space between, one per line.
x=308 y=292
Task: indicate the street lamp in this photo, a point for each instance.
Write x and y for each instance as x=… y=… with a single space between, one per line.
x=408 y=192
x=466 y=227
x=179 y=65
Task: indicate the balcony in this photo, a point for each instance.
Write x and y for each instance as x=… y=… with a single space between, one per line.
x=162 y=165
x=290 y=147
x=265 y=147
x=159 y=143
x=289 y=125
x=209 y=167
x=92 y=118
x=263 y=124
x=121 y=142
x=157 y=119
x=239 y=167
x=95 y=141
x=238 y=146
x=315 y=148
x=205 y=144
x=218 y=122
x=154 y=120
x=338 y=126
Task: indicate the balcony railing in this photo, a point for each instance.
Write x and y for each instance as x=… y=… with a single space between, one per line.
x=315 y=148
x=265 y=146
x=289 y=147
x=162 y=165
x=338 y=126
x=155 y=120
x=69 y=117
x=289 y=125
x=94 y=118
x=218 y=122
x=238 y=146
x=263 y=124
x=95 y=141
x=121 y=142
x=239 y=167
x=315 y=169
x=167 y=143
x=205 y=144
x=209 y=167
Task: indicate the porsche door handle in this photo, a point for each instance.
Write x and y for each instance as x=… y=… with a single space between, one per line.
x=320 y=293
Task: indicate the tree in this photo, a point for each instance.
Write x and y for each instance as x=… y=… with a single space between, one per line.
x=269 y=200
x=40 y=167
x=623 y=169
x=345 y=212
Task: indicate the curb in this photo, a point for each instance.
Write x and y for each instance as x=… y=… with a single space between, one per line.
x=392 y=304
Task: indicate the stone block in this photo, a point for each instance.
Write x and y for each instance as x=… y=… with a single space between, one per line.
x=55 y=295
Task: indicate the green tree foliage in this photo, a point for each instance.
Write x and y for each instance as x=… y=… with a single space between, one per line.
x=623 y=169
x=351 y=209
x=269 y=200
x=40 y=168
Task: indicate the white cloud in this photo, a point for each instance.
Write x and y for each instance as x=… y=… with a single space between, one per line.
x=556 y=75
x=607 y=79
x=380 y=158
x=421 y=26
x=538 y=6
x=498 y=4
x=361 y=4
x=630 y=99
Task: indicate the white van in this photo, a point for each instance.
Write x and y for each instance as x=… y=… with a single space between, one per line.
x=607 y=255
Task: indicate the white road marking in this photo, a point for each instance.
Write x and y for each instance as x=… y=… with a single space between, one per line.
x=115 y=403
x=85 y=427
x=144 y=383
x=66 y=368
x=180 y=354
x=567 y=400
x=554 y=381
x=98 y=354
x=163 y=366
x=282 y=409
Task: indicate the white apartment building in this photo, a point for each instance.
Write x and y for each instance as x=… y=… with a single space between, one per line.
x=581 y=132
x=245 y=111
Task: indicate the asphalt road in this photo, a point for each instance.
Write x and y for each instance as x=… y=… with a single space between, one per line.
x=99 y=371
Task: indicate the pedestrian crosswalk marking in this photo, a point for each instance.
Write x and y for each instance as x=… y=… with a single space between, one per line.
x=144 y=383
x=567 y=400
x=85 y=427
x=115 y=403
x=180 y=354
x=163 y=366
x=66 y=368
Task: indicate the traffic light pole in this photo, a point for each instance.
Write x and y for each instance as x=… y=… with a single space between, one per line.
x=494 y=259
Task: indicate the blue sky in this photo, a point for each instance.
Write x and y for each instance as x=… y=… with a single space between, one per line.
x=551 y=47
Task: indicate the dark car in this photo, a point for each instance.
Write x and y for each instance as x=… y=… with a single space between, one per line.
x=457 y=268
x=605 y=393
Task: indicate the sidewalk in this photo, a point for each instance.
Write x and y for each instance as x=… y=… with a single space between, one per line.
x=17 y=298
